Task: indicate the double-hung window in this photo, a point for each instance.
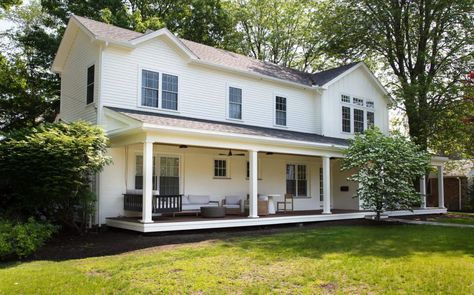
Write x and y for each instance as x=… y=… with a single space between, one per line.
x=90 y=84
x=280 y=110
x=296 y=180
x=235 y=103
x=139 y=173
x=358 y=121
x=150 y=88
x=169 y=96
x=220 y=168
x=370 y=119
x=321 y=185
x=346 y=119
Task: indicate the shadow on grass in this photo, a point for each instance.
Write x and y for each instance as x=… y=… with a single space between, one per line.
x=359 y=238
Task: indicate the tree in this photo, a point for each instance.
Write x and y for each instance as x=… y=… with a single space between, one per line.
x=428 y=47
x=282 y=32
x=29 y=91
x=386 y=168
x=46 y=171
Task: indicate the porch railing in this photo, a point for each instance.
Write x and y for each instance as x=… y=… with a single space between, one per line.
x=160 y=203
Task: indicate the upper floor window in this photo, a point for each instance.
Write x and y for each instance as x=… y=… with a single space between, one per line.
x=169 y=97
x=150 y=88
x=358 y=121
x=235 y=103
x=369 y=104
x=358 y=101
x=345 y=98
x=280 y=110
x=370 y=119
x=90 y=84
x=346 y=119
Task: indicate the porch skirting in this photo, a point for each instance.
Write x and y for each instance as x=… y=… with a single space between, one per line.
x=171 y=225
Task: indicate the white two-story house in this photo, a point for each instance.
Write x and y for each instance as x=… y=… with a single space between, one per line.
x=185 y=119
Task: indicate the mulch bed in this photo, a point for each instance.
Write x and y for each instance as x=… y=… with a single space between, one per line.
x=110 y=241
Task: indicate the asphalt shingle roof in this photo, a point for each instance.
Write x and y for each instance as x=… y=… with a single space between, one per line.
x=209 y=125
x=222 y=57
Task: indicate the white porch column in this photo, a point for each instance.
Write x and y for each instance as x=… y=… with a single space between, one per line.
x=147 y=182
x=440 y=187
x=326 y=185
x=253 y=184
x=423 y=191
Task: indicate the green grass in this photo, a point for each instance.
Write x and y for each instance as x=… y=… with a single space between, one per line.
x=455 y=217
x=398 y=259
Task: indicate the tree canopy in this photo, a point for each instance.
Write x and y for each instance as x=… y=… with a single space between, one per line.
x=386 y=168
x=427 y=48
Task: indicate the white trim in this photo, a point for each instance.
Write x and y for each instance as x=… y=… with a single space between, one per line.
x=163 y=226
x=160 y=73
x=280 y=94
x=227 y=167
x=227 y=102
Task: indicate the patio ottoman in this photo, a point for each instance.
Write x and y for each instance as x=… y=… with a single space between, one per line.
x=212 y=212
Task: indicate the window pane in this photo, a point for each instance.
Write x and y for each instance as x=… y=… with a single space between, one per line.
x=169 y=95
x=370 y=119
x=346 y=119
x=345 y=98
x=280 y=110
x=358 y=121
x=235 y=103
x=220 y=168
x=369 y=104
x=90 y=85
x=150 y=81
x=169 y=176
x=90 y=74
x=358 y=101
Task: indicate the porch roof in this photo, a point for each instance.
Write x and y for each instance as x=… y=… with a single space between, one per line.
x=168 y=120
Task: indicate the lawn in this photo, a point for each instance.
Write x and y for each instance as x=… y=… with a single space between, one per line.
x=389 y=259
x=455 y=217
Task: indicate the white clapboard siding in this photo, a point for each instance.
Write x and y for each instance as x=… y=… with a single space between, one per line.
x=203 y=91
x=357 y=83
x=74 y=78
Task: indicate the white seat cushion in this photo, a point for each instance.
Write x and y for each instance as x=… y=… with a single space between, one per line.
x=198 y=199
x=233 y=200
x=185 y=200
x=231 y=206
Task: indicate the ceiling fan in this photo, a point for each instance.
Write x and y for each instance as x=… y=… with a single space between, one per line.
x=230 y=154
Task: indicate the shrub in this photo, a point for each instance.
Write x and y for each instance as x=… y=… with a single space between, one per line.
x=46 y=171
x=23 y=239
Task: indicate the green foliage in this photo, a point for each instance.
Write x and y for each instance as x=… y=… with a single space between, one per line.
x=427 y=47
x=23 y=239
x=386 y=169
x=46 y=171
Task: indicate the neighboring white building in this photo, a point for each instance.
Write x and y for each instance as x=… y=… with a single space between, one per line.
x=187 y=119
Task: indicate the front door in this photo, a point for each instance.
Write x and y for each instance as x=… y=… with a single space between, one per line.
x=169 y=175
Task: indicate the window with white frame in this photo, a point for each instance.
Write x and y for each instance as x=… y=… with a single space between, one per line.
x=356 y=116
x=280 y=110
x=296 y=180
x=139 y=173
x=235 y=103
x=150 y=88
x=358 y=121
x=346 y=119
x=370 y=119
x=220 y=168
x=169 y=176
x=169 y=95
x=358 y=101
